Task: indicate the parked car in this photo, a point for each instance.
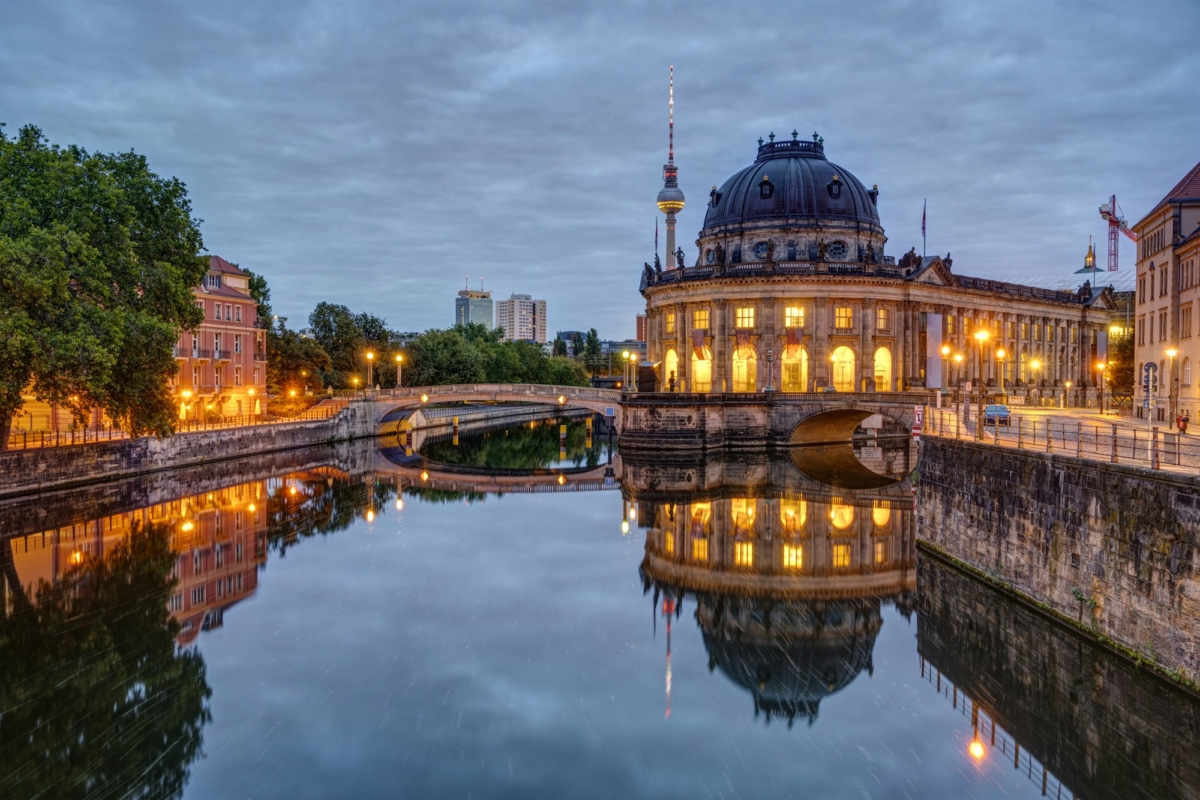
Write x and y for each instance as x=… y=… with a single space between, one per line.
x=996 y=415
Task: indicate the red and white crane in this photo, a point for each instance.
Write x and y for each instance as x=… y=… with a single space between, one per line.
x=1110 y=212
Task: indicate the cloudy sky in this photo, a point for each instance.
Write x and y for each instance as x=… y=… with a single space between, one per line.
x=375 y=154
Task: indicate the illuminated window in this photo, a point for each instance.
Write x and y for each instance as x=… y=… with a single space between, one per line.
x=742 y=509
x=669 y=543
x=743 y=554
x=793 y=556
x=880 y=552
x=670 y=322
x=793 y=317
x=700 y=318
x=950 y=324
x=745 y=317
x=700 y=549
x=843 y=317
x=793 y=514
x=841 y=555
x=841 y=516
x=881 y=514
x=883 y=319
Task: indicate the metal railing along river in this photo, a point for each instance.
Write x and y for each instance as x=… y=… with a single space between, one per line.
x=1114 y=442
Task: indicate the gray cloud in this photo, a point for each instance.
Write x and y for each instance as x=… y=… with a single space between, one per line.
x=374 y=154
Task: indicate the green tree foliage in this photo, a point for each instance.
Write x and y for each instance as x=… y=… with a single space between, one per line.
x=560 y=348
x=290 y=355
x=473 y=353
x=261 y=293
x=591 y=352
x=98 y=258
x=347 y=338
x=577 y=344
x=95 y=698
x=1120 y=366
x=519 y=448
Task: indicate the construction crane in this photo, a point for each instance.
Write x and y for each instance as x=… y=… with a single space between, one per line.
x=1110 y=212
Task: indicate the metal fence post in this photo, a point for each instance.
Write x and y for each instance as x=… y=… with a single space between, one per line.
x=1020 y=432
x=1114 y=443
x=1154 y=448
x=1078 y=439
x=1049 y=437
x=996 y=433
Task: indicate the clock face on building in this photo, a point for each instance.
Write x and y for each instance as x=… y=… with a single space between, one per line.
x=837 y=251
x=760 y=250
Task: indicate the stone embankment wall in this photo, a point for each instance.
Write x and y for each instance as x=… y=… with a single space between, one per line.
x=1110 y=546
x=1103 y=727
x=38 y=469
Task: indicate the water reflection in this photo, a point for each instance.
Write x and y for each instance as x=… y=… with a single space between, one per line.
x=788 y=577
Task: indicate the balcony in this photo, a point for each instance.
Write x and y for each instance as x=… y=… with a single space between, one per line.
x=183 y=352
x=194 y=353
x=260 y=356
x=222 y=355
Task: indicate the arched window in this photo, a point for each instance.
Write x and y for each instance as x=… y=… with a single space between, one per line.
x=793 y=514
x=843 y=369
x=841 y=516
x=881 y=515
x=671 y=370
x=745 y=369
x=794 y=369
x=883 y=370
x=702 y=370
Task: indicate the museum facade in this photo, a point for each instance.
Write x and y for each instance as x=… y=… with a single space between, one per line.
x=791 y=290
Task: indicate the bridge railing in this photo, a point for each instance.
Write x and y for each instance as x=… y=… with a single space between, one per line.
x=891 y=399
x=547 y=393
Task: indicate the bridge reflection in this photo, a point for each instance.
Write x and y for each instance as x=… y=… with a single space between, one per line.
x=788 y=575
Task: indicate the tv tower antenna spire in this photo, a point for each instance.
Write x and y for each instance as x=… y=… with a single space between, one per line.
x=670 y=198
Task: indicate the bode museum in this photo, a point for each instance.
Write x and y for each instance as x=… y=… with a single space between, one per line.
x=793 y=290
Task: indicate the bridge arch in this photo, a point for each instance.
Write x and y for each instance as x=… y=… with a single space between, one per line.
x=393 y=404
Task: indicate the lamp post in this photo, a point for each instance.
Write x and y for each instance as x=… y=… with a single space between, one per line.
x=354 y=381
x=958 y=359
x=399 y=368
x=981 y=337
x=1036 y=366
x=945 y=367
x=770 y=369
x=370 y=363
x=1000 y=359
x=625 y=369
x=633 y=370
x=1067 y=393
x=187 y=393
x=1172 y=392
x=1100 y=365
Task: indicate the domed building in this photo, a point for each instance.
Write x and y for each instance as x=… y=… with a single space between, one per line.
x=792 y=289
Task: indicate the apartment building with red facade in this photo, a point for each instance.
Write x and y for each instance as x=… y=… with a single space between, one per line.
x=223 y=364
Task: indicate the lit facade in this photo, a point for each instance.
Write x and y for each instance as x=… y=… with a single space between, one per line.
x=791 y=289
x=472 y=306
x=223 y=364
x=1167 y=291
x=522 y=318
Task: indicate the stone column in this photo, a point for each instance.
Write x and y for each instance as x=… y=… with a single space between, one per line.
x=720 y=371
x=681 y=349
x=866 y=338
x=819 y=363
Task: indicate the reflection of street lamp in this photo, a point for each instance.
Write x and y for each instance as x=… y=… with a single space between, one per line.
x=399 y=368
x=1100 y=365
x=1171 y=389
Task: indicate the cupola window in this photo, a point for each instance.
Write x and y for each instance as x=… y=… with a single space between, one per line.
x=766 y=189
x=835 y=187
x=791 y=251
x=837 y=251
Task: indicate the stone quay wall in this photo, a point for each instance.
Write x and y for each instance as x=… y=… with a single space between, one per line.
x=1109 y=546
x=39 y=469
x=1102 y=726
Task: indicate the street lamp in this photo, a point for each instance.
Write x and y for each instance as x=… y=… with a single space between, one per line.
x=625 y=368
x=1100 y=365
x=1036 y=365
x=770 y=369
x=1172 y=391
x=981 y=337
x=1000 y=358
x=1068 y=392
x=370 y=363
x=958 y=359
x=354 y=380
x=399 y=368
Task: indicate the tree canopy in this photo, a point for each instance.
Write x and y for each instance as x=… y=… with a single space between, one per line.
x=98 y=259
x=472 y=353
x=293 y=360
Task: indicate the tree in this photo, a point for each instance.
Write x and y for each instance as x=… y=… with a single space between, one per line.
x=290 y=356
x=591 y=352
x=473 y=353
x=560 y=348
x=577 y=344
x=1120 y=367
x=98 y=259
x=261 y=293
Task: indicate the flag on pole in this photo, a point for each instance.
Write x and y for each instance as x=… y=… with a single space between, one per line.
x=924 y=206
x=656 y=236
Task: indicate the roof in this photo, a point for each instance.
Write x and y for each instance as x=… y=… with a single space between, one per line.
x=218 y=264
x=1188 y=188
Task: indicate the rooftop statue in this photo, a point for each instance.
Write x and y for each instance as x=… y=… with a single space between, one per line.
x=679 y=257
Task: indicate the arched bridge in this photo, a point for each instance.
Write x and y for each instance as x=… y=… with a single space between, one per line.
x=393 y=405
x=417 y=472
x=694 y=420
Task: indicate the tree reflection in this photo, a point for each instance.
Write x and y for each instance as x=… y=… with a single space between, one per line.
x=530 y=446
x=95 y=697
x=315 y=504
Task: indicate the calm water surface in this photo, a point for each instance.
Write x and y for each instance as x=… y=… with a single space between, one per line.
x=367 y=623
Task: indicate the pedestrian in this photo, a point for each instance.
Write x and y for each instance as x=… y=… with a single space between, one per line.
x=1185 y=421
x=1179 y=422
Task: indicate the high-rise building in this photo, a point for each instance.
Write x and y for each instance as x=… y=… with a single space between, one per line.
x=473 y=306
x=522 y=318
x=640 y=328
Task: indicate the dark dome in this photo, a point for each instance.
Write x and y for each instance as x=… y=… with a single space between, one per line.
x=791 y=179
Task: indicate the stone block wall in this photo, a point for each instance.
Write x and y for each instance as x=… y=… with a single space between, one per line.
x=1109 y=545
x=1103 y=727
x=38 y=469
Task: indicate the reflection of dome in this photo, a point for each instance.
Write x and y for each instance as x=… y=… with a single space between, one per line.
x=791 y=182
x=789 y=655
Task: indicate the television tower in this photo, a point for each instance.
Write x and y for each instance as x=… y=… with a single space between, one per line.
x=670 y=199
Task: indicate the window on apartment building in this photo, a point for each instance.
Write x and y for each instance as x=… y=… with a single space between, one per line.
x=1025 y=330
x=880 y=552
x=793 y=556
x=237 y=343
x=195 y=376
x=237 y=313
x=793 y=317
x=219 y=554
x=198 y=596
x=1162 y=325
x=745 y=317
x=1186 y=371
x=1185 y=322
x=239 y=583
x=1141 y=330
x=883 y=319
x=237 y=376
x=1142 y=289
x=670 y=322
x=216 y=310
x=843 y=317
x=217 y=376
x=238 y=552
x=1162 y=284
x=197 y=562
x=228 y=312
x=700 y=318
x=176 y=602
x=216 y=345
x=1151 y=281
x=256 y=376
